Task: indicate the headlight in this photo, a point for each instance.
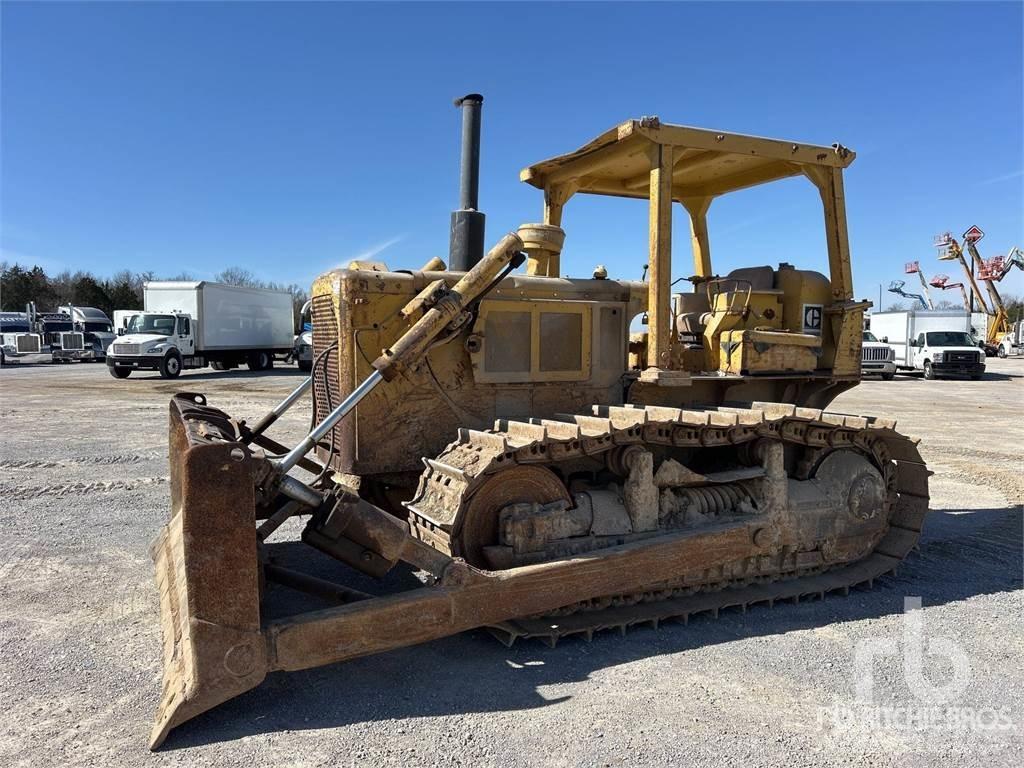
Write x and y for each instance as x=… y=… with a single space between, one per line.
x=155 y=350
x=937 y=357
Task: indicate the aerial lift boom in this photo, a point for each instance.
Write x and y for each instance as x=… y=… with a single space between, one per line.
x=942 y=281
x=1000 y=324
x=950 y=250
x=914 y=268
x=999 y=267
x=896 y=286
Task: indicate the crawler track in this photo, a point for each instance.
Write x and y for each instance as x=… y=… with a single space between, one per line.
x=449 y=482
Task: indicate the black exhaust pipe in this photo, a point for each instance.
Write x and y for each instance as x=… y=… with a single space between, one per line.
x=466 y=243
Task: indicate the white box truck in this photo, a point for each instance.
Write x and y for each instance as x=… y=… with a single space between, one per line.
x=121 y=319
x=937 y=342
x=199 y=324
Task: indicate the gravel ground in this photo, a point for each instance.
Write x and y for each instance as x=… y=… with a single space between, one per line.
x=83 y=483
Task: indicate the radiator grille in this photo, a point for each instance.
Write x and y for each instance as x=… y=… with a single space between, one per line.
x=72 y=340
x=127 y=349
x=27 y=343
x=875 y=354
x=325 y=377
x=962 y=357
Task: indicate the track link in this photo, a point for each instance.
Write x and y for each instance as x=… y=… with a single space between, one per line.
x=449 y=481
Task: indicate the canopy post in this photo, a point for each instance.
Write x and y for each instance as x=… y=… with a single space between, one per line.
x=659 y=306
x=697 y=207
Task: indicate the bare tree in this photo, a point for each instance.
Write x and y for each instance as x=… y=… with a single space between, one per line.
x=239 y=276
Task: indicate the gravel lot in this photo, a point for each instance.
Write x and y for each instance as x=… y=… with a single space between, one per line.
x=83 y=484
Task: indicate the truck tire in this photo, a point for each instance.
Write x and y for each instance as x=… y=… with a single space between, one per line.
x=928 y=372
x=305 y=366
x=3 y=359
x=1002 y=351
x=119 y=371
x=260 y=361
x=170 y=366
x=888 y=376
x=217 y=365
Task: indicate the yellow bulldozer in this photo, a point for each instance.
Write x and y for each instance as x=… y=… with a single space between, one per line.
x=554 y=456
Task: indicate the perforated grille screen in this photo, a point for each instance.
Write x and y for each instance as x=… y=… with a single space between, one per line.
x=326 y=392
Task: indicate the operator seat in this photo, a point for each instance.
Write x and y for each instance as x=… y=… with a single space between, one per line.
x=691 y=307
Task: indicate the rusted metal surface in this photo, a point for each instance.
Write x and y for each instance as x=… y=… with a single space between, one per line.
x=585 y=489
x=215 y=647
x=207 y=568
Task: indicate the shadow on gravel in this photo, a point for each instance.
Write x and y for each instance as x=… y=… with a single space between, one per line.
x=915 y=376
x=208 y=374
x=961 y=554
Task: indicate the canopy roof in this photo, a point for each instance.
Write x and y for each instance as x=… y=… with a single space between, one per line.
x=705 y=163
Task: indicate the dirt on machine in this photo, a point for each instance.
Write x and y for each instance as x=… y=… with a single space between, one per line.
x=553 y=456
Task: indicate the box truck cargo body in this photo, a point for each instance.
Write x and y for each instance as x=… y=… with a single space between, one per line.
x=937 y=342
x=195 y=324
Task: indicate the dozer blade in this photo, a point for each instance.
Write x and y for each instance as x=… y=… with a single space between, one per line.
x=207 y=570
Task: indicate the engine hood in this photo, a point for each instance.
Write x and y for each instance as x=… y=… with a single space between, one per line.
x=140 y=338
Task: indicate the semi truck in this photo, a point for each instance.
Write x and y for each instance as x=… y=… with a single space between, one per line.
x=58 y=334
x=97 y=333
x=17 y=337
x=302 y=352
x=936 y=342
x=187 y=324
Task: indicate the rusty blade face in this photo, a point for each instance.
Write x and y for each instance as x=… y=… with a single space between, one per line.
x=207 y=569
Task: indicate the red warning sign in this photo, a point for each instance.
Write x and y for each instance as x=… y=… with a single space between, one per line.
x=973 y=235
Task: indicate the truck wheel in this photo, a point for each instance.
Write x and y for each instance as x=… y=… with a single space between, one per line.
x=976 y=376
x=119 y=371
x=170 y=366
x=3 y=359
x=1002 y=351
x=888 y=376
x=928 y=372
x=218 y=366
x=260 y=361
x=305 y=365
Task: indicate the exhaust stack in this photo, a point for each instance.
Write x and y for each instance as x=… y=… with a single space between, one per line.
x=466 y=243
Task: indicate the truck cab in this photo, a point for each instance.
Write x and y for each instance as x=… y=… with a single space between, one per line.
x=1012 y=342
x=153 y=341
x=16 y=336
x=59 y=336
x=877 y=357
x=97 y=333
x=947 y=353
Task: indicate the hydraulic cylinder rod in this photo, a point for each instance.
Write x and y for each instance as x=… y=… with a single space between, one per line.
x=407 y=350
x=278 y=410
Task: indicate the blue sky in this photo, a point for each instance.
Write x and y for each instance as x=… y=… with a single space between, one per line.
x=290 y=138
